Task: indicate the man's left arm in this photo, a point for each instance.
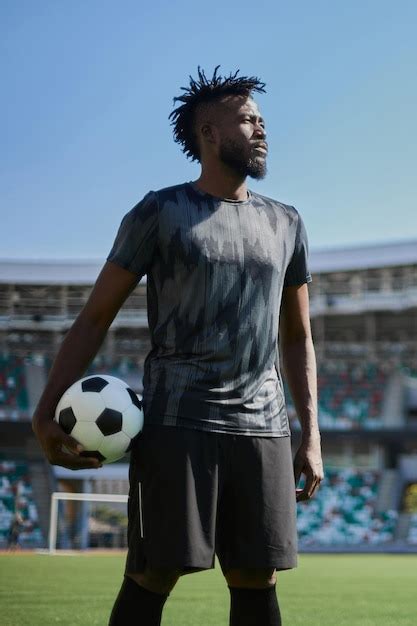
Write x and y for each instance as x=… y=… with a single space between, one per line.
x=299 y=366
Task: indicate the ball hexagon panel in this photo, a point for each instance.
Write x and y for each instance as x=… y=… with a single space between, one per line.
x=88 y=435
x=111 y=380
x=87 y=406
x=114 y=447
x=94 y=384
x=132 y=421
x=109 y=422
x=64 y=401
x=116 y=397
x=67 y=420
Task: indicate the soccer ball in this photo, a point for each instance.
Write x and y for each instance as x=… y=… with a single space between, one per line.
x=103 y=414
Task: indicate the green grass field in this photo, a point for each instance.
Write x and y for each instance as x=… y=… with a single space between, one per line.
x=377 y=590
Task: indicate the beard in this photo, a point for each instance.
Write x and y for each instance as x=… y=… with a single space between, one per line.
x=241 y=161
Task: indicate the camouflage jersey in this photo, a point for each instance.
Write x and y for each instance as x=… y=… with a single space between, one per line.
x=215 y=271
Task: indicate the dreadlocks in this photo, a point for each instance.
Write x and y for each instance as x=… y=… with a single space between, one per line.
x=203 y=91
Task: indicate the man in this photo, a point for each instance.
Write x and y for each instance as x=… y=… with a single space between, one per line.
x=17 y=524
x=212 y=471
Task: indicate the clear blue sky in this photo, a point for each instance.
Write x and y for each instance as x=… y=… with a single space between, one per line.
x=87 y=86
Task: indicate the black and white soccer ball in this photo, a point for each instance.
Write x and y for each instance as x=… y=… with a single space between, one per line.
x=103 y=414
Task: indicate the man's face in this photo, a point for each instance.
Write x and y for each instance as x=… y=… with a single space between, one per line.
x=242 y=138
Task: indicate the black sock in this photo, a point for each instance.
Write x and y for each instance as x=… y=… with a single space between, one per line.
x=254 y=607
x=136 y=606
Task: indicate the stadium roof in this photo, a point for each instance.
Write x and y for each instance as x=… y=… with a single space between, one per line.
x=85 y=272
x=361 y=257
x=49 y=272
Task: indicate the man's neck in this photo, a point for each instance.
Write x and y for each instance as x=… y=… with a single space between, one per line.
x=223 y=185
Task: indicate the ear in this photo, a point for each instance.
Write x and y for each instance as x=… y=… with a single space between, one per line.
x=208 y=133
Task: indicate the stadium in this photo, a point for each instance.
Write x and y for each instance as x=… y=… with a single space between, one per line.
x=364 y=318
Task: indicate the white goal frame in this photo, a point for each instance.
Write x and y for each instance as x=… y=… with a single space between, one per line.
x=83 y=497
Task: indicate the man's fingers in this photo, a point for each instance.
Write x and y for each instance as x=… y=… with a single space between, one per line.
x=53 y=438
x=316 y=485
x=62 y=449
x=74 y=461
x=67 y=452
x=304 y=494
x=310 y=488
x=72 y=444
x=301 y=495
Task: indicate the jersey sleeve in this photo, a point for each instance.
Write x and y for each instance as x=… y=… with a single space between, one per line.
x=297 y=271
x=135 y=242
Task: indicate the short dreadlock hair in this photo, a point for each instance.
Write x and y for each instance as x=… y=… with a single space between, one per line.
x=204 y=91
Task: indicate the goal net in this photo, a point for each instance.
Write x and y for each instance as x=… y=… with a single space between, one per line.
x=82 y=521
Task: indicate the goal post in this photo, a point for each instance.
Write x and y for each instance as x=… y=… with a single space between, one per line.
x=81 y=497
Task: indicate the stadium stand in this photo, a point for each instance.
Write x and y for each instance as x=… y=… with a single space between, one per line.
x=344 y=511
x=127 y=368
x=412 y=532
x=16 y=495
x=363 y=303
x=13 y=392
x=350 y=394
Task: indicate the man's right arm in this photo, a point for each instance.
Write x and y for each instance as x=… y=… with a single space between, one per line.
x=78 y=349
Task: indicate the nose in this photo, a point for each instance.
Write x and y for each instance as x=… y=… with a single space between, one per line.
x=260 y=131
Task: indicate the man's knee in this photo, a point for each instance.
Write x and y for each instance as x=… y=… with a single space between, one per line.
x=251 y=578
x=156 y=580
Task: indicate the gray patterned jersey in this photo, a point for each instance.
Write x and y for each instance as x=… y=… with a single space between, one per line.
x=215 y=274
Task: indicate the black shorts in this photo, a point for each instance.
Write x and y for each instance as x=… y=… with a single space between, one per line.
x=194 y=494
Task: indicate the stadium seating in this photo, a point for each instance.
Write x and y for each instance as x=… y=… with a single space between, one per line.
x=16 y=495
x=122 y=367
x=115 y=367
x=125 y=368
x=412 y=531
x=14 y=397
x=343 y=512
x=350 y=394
x=409 y=367
x=13 y=392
